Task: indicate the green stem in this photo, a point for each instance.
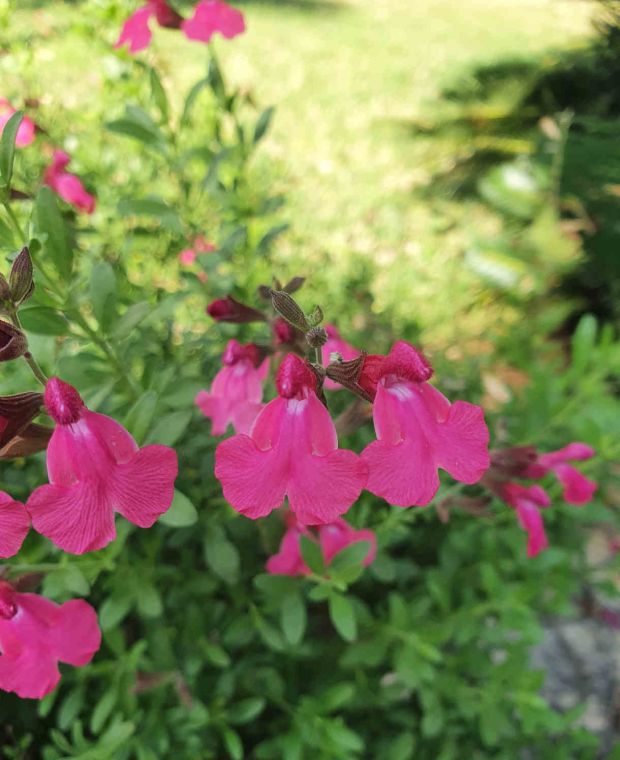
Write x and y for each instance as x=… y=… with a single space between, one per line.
x=28 y=357
x=14 y=221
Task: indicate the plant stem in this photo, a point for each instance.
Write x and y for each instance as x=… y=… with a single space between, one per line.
x=28 y=357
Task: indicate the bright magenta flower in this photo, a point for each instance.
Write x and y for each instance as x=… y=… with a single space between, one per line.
x=333 y=538
x=136 y=32
x=36 y=634
x=14 y=525
x=282 y=331
x=211 y=16
x=95 y=469
x=66 y=185
x=292 y=450
x=528 y=502
x=25 y=131
x=336 y=345
x=237 y=390
x=577 y=489
x=418 y=430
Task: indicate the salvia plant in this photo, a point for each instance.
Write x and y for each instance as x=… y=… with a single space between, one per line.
x=209 y=646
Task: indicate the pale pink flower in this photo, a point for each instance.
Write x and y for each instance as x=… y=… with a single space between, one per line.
x=14 y=525
x=333 y=538
x=577 y=489
x=292 y=450
x=95 y=469
x=136 y=32
x=336 y=345
x=211 y=16
x=26 y=130
x=418 y=430
x=36 y=634
x=528 y=503
x=66 y=185
x=237 y=390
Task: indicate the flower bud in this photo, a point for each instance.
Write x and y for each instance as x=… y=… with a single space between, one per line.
x=287 y=307
x=230 y=310
x=316 y=337
x=282 y=331
x=13 y=342
x=20 y=279
x=5 y=292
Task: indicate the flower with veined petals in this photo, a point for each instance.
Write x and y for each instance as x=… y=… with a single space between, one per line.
x=577 y=489
x=36 y=634
x=333 y=538
x=528 y=503
x=95 y=469
x=26 y=130
x=292 y=450
x=14 y=525
x=336 y=345
x=136 y=32
x=237 y=390
x=210 y=17
x=418 y=430
x=67 y=185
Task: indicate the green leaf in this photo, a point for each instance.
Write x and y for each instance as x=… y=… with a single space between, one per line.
x=342 y=616
x=313 y=557
x=233 y=744
x=170 y=427
x=263 y=123
x=115 y=608
x=65 y=581
x=7 y=148
x=182 y=512
x=191 y=99
x=583 y=343
x=149 y=600
x=352 y=555
x=70 y=709
x=140 y=416
x=222 y=556
x=265 y=243
x=293 y=618
x=131 y=319
x=138 y=125
x=103 y=710
x=103 y=293
x=43 y=321
x=159 y=94
x=246 y=710
x=216 y=654
x=56 y=247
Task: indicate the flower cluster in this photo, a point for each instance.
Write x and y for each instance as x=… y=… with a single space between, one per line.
x=287 y=450
x=209 y=17
x=528 y=500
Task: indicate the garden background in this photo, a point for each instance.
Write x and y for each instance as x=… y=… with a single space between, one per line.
x=443 y=172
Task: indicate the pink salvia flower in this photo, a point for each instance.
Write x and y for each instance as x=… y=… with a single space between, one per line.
x=211 y=16
x=333 y=538
x=237 y=390
x=136 y=32
x=528 y=502
x=14 y=525
x=95 y=469
x=336 y=345
x=26 y=130
x=36 y=634
x=577 y=489
x=66 y=185
x=292 y=450
x=418 y=430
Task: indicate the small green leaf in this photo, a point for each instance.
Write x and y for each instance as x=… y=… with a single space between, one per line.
x=262 y=124
x=159 y=94
x=293 y=618
x=7 y=148
x=222 y=556
x=131 y=319
x=352 y=555
x=43 y=321
x=313 y=557
x=56 y=247
x=246 y=710
x=140 y=416
x=342 y=616
x=103 y=710
x=155 y=208
x=182 y=512
x=149 y=601
x=170 y=427
x=233 y=744
x=103 y=293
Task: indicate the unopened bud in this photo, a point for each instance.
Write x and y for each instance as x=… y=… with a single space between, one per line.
x=316 y=337
x=5 y=291
x=287 y=307
x=13 y=342
x=20 y=279
x=230 y=310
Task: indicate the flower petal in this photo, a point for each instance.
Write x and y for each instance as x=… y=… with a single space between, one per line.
x=143 y=488
x=531 y=521
x=14 y=525
x=136 y=31
x=577 y=488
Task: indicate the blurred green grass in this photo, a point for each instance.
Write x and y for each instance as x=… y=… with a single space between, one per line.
x=348 y=80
